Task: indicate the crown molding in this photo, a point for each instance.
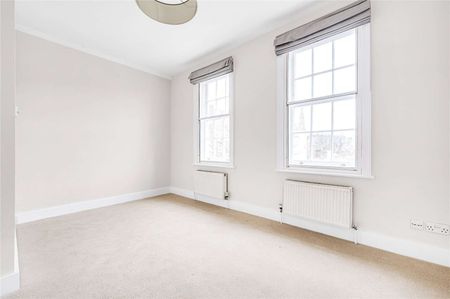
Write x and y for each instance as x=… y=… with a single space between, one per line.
x=47 y=37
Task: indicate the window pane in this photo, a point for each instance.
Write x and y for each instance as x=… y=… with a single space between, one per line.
x=345 y=80
x=222 y=90
x=321 y=117
x=202 y=99
x=322 y=130
x=322 y=85
x=206 y=140
x=214 y=99
x=344 y=114
x=345 y=51
x=302 y=63
x=299 y=148
x=302 y=89
x=300 y=118
x=323 y=57
x=211 y=91
x=222 y=106
x=321 y=147
x=215 y=139
x=344 y=148
x=211 y=107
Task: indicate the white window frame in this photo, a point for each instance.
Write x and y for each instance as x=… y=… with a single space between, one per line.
x=196 y=126
x=363 y=116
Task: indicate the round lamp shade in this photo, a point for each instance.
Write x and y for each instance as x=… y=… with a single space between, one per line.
x=173 y=12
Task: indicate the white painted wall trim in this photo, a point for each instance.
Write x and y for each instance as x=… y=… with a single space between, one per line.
x=191 y=194
x=230 y=204
x=11 y=282
x=436 y=255
x=182 y=192
x=81 y=48
x=29 y=216
x=363 y=114
x=420 y=251
x=213 y=201
x=196 y=126
x=330 y=230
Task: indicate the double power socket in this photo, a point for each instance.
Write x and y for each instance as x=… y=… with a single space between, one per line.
x=442 y=229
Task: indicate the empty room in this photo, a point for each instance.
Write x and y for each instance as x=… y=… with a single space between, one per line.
x=234 y=149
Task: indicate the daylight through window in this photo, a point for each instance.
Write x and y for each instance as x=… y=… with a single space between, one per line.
x=321 y=101
x=214 y=120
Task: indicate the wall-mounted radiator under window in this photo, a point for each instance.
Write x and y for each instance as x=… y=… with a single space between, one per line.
x=328 y=204
x=212 y=184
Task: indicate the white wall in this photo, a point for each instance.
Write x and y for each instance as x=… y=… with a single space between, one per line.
x=410 y=122
x=88 y=128
x=7 y=87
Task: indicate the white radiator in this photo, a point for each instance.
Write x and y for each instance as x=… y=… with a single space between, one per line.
x=212 y=184
x=324 y=203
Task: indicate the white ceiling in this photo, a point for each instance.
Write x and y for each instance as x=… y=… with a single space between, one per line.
x=119 y=31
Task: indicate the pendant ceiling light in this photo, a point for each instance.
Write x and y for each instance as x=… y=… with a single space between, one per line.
x=173 y=12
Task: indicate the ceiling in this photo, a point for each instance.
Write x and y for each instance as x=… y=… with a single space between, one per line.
x=119 y=31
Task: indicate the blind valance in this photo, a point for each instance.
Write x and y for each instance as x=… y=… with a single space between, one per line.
x=214 y=70
x=346 y=18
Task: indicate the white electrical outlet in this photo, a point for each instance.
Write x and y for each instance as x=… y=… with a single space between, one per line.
x=416 y=224
x=429 y=227
x=437 y=228
x=441 y=229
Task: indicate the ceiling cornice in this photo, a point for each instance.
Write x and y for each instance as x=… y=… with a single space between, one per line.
x=96 y=53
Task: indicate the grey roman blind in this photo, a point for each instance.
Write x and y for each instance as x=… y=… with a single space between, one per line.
x=214 y=70
x=346 y=18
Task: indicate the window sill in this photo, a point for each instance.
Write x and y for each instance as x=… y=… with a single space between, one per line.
x=215 y=165
x=327 y=172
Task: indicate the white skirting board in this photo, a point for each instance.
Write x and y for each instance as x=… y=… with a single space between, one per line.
x=11 y=282
x=231 y=204
x=29 y=216
x=420 y=251
x=408 y=248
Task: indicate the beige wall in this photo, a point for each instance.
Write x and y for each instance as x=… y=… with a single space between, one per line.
x=410 y=122
x=88 y=128
x=7 y=86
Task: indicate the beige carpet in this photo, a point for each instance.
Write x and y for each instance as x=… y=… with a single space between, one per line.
x=171 y=247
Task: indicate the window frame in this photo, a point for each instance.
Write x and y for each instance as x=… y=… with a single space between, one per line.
x=363 y=114
x=197 y=128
